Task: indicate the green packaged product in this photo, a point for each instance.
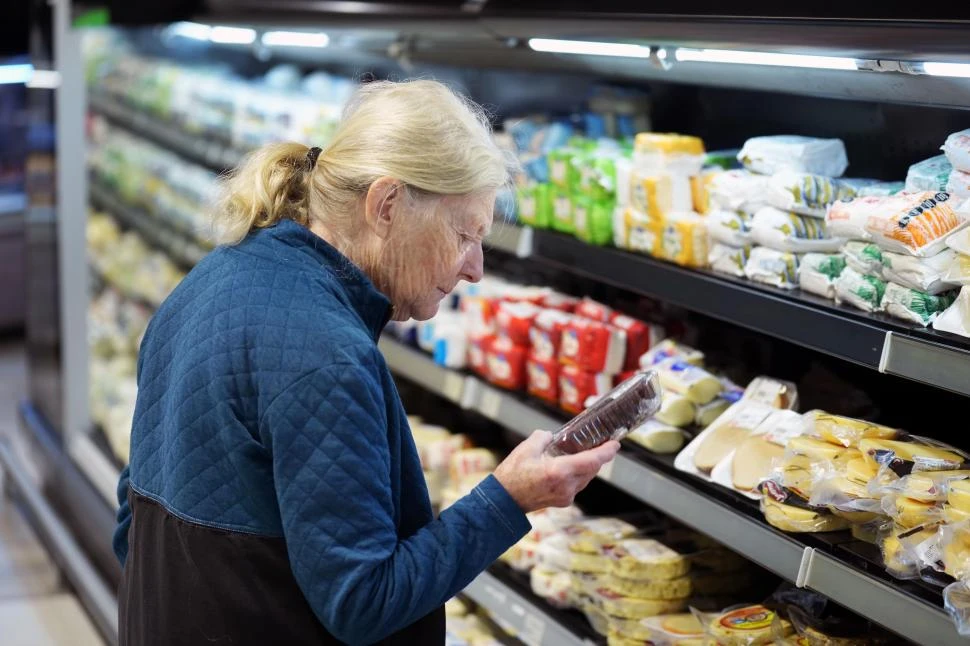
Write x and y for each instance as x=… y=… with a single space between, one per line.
x=593 y=220
x=534 y=205
x=563 y=172
x=913 y=305
x=561 y=210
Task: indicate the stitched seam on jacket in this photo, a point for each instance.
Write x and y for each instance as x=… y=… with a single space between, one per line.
x=495 y=509
x=167 y=506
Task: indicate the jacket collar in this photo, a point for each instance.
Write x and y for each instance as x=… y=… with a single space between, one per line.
x=371 y=305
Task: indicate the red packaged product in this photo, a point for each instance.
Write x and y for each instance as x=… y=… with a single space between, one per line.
x=640 y=337
x=593 y=346
x=543 y=377
x=514 y=320
x=478 y=354
x=546 y=333
x=576 y=386
x=506 y=364
x=525 y=294
x=593 y=310
x=480 y=315
x=561 y=302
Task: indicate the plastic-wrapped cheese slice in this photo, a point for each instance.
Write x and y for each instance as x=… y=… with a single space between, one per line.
x=747 y=626
x=958 y=495
x=918 y=455
x=589 y=536
x=632 y=608
x=846 y=431
x=928 y=486
x=679 y=588
x=790 y=518
x=722 y=437
x=644 y=558
x=909 y=513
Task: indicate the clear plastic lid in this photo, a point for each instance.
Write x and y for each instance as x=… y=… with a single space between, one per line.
x=621 y=410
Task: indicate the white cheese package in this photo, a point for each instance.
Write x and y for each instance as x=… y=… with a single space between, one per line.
x=778 y=268
x=860 y=291
x=807 y=194
x=931 y=174
x=912 y=223
x=756 y=454
x=551 y=520
x=676 y=410
x=923 y=274
x=729 y=260
x=735 y=190
x=552 y=585
x=718 y=441
x=657 y=437
x=730 y=227
x=913 y=305
x=958 y=273
x=957 y=150
x=788 y=231
x=670 y=349
x=817 y=273
x=959 y=184
x=770 y=155
x=688 y=380
x=772 y=392
x=956 y=318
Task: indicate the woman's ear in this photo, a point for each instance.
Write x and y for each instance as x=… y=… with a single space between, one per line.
x=383 y=203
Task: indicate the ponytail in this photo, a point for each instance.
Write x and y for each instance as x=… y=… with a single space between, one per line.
x=269 y=185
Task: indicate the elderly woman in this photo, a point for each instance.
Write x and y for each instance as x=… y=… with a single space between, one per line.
x=274 y=494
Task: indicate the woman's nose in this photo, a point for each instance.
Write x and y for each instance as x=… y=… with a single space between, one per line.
x=473 y=268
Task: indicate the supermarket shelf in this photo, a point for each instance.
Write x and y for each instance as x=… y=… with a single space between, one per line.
x=129 y=294
x=534 y=625
x=179 y=248
x=709 y=509
x=875 y=341
x=511 y=239
x=200 y=150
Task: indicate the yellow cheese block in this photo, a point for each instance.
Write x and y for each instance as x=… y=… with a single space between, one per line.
x=958 y=495
x=848 y=431
x=589 y=536
x=930 y=458
x=708 y=413
x=789 y=518
x=728 y=432
x=772 y=392
x=652 y=195
x=866 y=532
x=953 y=515
x=668 y=143
x=753 y=460
x=643 y=231
x=658 y=437
x=676 y=410
x=859 y=471
x=682 y=378
x=910 y=513
x=956 y=559
x=898 y=559
x=645 y=558
x=748 y=626
x=931 y=486
x=632 y=608
x=796 y=473
x=685 y=241
x=815 y=449
x=678 y=588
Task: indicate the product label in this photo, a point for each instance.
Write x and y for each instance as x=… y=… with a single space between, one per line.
x=498 y=367
x=542 y=344
x=642 y=239
x=527 y=207
x=688 y=374
x=562 y=208
x=754 y=618
x=580 y=218
x=646 y=551
x=570 y=343
x=538 y=377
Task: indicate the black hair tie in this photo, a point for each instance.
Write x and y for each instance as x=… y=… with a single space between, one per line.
x=311 y=157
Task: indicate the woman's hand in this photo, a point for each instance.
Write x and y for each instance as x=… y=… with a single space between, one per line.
x=536 y=481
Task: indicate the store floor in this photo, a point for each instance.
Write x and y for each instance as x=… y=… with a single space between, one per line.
x=35 y=607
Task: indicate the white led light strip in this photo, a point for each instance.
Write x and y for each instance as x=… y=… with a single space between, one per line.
x=765 y=58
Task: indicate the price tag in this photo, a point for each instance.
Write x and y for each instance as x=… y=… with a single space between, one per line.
x=490 y=404
x=453 y=386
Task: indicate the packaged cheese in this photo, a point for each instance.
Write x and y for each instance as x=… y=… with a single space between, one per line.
x=954 y=540
x=799 y=518
x=919 y=454
x=652 y=194
x=957 y=150
x=777 y=268
x=912 y=223
x=914 y=306
x=956 y=600
x=956 y=318
x=643 y=232
x=640 y=337
x=752 y=461
x=523 y=556
x=788 y=231
x=909 y=512
x=589 y=536
x=657 y=437
x=931 y=174
x=505 y=364
x=514 y=320
x=923 y=274
x=959 y=184
x=732 y=228
x=684 y=240
x=846 y=431
x=467 y=462
x=728 y=260
x=696 y=384
x=675 y=629
x=670 y=349
x=834 y=630
x=708 y=413
x=676 y=410
x=927 y=486
x=551 y=520
x=645 y=558
x=817 y=273
x=561 y=210
x=862 y=292
x=617 y=605
x=770 y=155
x=807 y=194
x=551 y=585
x=625 y=631
x=554 y=553
x=746 y=626
x=772 y=392
x=898 y=544
x=543 y=378
x=797 y=474
x=593 y=346
x=678 y=588
x=724 y=435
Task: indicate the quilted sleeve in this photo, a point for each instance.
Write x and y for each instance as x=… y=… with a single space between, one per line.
x=119 y=541
x=329 y=439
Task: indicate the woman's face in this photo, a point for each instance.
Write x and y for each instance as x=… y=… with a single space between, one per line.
x=434 y=260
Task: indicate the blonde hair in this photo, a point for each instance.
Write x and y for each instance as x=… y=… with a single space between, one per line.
x=435 y=141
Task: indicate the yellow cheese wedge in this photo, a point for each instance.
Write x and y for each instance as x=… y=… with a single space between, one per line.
x=753 y=460
x=709 y=412
x=789 y=518
x=696 y=384
x=678 y=588
x=717 y=444
x=910 y=513
x=797 y=474
x=931 y=457
x=953 y=515
x=859 y=471
x=748 y=626
x=958 y=495
x=856 y=517
x=676 y=410
x=645 y=558
x=931 y=485
x=848 y=431
x=814 y=448
x=956 y=559
x=865 y=532
x=658 y=437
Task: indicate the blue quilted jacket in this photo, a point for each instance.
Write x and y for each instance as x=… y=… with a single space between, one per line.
x=274 y=494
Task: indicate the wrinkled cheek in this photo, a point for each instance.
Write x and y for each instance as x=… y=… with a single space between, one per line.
x=412 y=265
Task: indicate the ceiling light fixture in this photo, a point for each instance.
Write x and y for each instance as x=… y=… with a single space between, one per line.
x=955 y=70
x=765 y=58
x=588 y=48
x=295 y=39
x=232 y=35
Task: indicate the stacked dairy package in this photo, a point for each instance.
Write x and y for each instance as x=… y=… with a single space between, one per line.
x=956 y=318
x=897 y=257
x=768 y=217
x=661 y=214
